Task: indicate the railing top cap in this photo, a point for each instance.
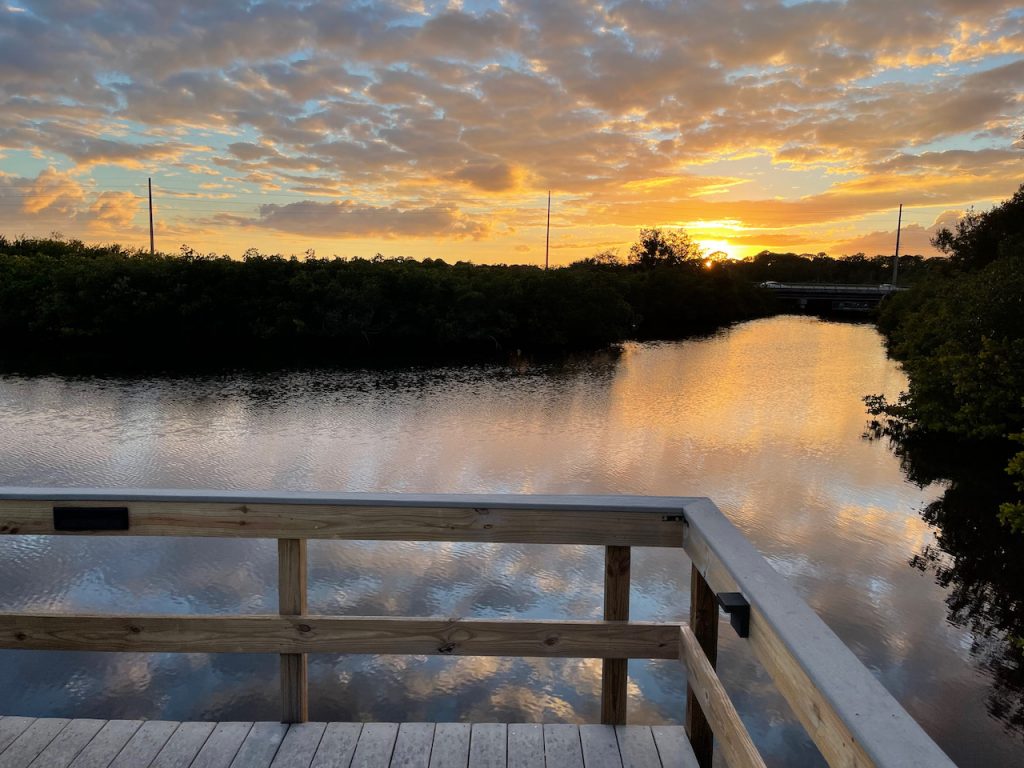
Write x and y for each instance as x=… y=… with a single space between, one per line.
x=567 y=502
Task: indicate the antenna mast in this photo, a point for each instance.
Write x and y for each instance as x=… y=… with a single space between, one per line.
x=547 y=233
x=150 y=182
x=896 y=258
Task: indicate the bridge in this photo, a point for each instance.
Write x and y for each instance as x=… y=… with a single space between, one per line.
x=832 y=296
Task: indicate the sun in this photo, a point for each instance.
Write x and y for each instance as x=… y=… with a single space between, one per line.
x=716 y=248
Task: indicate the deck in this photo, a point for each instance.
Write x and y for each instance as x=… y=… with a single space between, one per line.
x=61 y=743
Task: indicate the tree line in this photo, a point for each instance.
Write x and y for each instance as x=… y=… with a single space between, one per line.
x=62 y=301
x=959 y=334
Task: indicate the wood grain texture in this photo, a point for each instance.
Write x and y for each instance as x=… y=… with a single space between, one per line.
x=732 y=736
x=292 y=573
x=704 y=629
x=615 y=672
x=851 y=718
x=491 y=519
x=339 y=634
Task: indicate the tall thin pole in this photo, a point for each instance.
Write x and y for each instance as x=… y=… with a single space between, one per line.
x=151 y=249
x=896 y=258
x=547 y=234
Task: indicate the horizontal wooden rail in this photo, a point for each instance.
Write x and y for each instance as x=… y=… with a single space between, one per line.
x=853 y=720
x=339 y=634
x=605 y=520
x=848 y=714
x=730 y=733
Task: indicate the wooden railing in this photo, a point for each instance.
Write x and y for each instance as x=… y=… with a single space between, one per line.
x=851 y=718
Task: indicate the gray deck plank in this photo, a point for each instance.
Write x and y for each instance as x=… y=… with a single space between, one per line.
x=299 y=745
x=600 y=746
x=636 y=745
x=337 y=745
x=260 y=746
x=222 y=746
x=673 y=747
x=11 y=728
x=376 y=744
x=488 y=745
x=183 y=746
x=33 y=740
x=451 y=746
x=412 y=746
x=525 y=745
x=562 y=746
x=106 y=744
x=145 y=744
x=68 y=743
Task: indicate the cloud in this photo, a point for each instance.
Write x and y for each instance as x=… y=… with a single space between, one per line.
x=113 y=209
x=914 y=239
x=348 y=219
x=770 y=114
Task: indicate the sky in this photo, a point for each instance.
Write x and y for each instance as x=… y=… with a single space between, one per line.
x=437 y=129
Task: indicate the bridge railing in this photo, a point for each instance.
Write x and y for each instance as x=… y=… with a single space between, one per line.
x=852 y=719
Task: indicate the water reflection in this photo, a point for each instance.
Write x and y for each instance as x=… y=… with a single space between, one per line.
x=975 y=559
x=765 y=418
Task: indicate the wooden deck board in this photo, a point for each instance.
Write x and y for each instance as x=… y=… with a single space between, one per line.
x=62 y=743
x=260 y=746
x=337 y=745
x=67 y=744
x=106 y=744
x=33 y=740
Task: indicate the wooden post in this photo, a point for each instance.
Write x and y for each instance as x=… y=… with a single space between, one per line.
x=704 y=623
x=615 y=672
x=291 y=585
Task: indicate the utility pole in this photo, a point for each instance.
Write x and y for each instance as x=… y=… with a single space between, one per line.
x=150 y=181
x=896 y=258
x=547 y=234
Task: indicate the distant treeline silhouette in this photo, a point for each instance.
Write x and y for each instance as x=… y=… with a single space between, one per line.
x=63 y=302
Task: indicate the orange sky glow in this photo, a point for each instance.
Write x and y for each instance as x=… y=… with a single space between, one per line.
x=436 y=129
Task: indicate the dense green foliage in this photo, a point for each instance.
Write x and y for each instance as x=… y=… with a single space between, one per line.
x=960 y=336
x=96 y=305
x=820 y=268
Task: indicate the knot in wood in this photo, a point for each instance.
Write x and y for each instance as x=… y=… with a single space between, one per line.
x=134 y=629
x=20 y=636
x=305 y=628
x=446 y=648
x=551 y=640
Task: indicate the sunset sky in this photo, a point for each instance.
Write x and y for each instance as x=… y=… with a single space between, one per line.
x=437 y=128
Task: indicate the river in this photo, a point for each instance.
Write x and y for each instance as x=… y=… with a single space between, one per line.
x=766 y=418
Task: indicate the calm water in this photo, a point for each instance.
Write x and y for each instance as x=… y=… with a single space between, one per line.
x=766 y=419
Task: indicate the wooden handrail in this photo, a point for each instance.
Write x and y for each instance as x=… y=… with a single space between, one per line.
x=339 y=634
x=847 y=713
x=717 y=707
